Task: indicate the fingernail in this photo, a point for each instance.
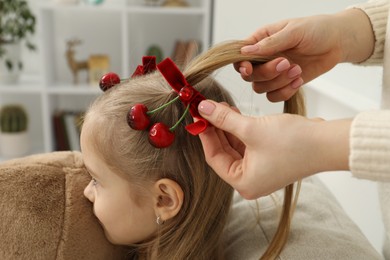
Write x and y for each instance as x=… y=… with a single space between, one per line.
x=294 y=72
x=206 y=107
x=283 y=65
x=243 y=71
x=249 y=48
x=297 y=83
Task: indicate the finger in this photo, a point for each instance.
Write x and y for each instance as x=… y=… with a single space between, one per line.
x=227 y=145
x=234 y=141
x=225 y=118
x=263 y=72
x=236 y=144
x=317 y=119
x=270 y=70
x=245 y=68
x=229 y=142
x=266 y=31
x=274 y=43
x=224 y=136
x=284 y=93
x=226 y=104
x=226 y=139
x=287 y=77
x=220 y=161
x=236 y=109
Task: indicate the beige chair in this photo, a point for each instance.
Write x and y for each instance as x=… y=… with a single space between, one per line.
x=43 y=213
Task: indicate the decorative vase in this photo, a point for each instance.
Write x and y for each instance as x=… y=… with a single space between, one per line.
x=94 y=2
x=14 y=138
x=10 y=63
x=14 y=144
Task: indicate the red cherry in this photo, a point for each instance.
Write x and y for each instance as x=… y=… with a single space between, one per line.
x=160 y=136
x=109 y=80
x=137 y=117
x=186 y=93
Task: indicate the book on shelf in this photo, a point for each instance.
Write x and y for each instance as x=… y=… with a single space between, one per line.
x=66 y=126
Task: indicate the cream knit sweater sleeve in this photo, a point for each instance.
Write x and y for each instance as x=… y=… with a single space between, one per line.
x=370 y=159
x=377 y=12
x=370 y=131
x=370 y=145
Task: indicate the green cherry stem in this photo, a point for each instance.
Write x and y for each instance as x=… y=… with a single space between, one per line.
x=163 y=106
x=181 y=118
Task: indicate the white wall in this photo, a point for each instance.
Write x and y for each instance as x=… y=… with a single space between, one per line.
x=239 y=19
x=340 y=93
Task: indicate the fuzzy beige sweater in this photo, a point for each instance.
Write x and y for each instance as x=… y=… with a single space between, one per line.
x=43 y=213
x=320 y=228
x=370 y=132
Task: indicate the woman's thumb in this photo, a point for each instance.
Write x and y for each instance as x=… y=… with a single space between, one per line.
x=221 y=116
x=270 y=45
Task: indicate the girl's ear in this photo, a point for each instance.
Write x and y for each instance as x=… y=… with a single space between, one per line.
x=169 y=198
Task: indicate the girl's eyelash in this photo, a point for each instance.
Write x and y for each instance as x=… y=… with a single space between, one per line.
x=94 y=181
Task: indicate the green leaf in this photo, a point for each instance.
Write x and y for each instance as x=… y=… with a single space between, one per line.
x=16 y=20
x=30 y=46
x=9 y=65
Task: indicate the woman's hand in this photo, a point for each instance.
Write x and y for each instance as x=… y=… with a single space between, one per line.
x=258 y=156
x=308 y=47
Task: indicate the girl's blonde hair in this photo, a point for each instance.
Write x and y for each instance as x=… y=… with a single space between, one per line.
x=195 y=233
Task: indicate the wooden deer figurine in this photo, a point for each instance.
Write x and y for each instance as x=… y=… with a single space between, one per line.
x=75 y=66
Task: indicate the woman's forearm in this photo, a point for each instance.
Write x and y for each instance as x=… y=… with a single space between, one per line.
x=330 y=145
x=357 y=36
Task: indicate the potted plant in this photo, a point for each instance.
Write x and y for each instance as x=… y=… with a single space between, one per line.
x=14 y=140
x=17 y=24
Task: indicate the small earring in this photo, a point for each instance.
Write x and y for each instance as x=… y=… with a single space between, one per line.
x=159 y=221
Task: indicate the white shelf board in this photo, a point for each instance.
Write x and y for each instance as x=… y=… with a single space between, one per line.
x=70 y=89
x=80 y=7
x=166 y=10
x=138 y=9
x=28 y=84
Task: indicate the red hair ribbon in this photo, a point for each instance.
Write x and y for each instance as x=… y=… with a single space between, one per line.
x=148 y=66
x=187 y=94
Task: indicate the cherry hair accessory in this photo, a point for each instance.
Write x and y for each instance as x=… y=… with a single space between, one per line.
x=187 y=94
x=148 y=66
x=160 y=135
x=111 y=79
x=108 y=81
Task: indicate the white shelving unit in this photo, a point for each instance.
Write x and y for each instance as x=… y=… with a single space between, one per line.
x=124 y=32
